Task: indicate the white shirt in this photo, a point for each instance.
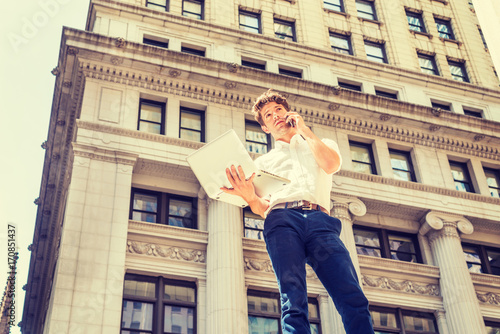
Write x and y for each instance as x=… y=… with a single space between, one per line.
x=295 y=161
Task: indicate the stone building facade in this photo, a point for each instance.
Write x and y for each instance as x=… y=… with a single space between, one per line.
x=126 y=240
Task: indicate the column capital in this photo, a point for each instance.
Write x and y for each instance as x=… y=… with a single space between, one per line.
x=352 y=205
x=441 y=221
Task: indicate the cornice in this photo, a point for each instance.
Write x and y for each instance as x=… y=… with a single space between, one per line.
x=161 y=169
x=166 y=231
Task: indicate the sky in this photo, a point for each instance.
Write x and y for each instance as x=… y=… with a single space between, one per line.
x=29 y=50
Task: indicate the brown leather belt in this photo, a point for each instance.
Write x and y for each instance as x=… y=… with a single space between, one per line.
x=301 y=205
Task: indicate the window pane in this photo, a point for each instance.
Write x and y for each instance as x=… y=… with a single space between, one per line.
x=493 y=329
x=180 y=213
x=473 y=259
x=419 y=324
x=340 y=44
x=283 y=29
x=150 y=112
x=362 y=168
x=333 y=5
x=190 y=120
x=458 y=173
x=375 y=53
x=138 y=288
x=249 y=22
x=399 y=161
x=384 y=318
x=137 y=315
x=369 y=239
x=263 y=304
x=494 y=259
x=144 y=217
x=254 y=133
x=313 y=310
x=254 y=225
x=150 y=127
x=314 y=329
x=190 y=135
x=360 y=154
x=192 y=9
x=145 y=203
x=402 y=248
x=179 y=320
x=365 y=10
x=259 y=325
x=179 y=293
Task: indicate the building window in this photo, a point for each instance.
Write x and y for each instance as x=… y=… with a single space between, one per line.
x=493 y=180
x=351 y=86
x=291 y=72
x=387 y=320
x=151 y=117
x=366 y=9
x=284 y=30
x=157 y=4
x=375 y=52
x=193 y=8
x=257 y=141
x=341 y=43
x=492 y=327
x=335 y=5
x=428 y=64
x=415 y=21
x=158 y=305
x=161 y=43
x=389 y=95
x=250 y=22
x=253 y=225
x=362 y=158
x=458 y=72
x=442 y=106
x=444 y=28
x=482 y=259
x=482 y=38
x=163 y=208
x=473 y=113
x=193 y=51
x=402 y=165
x=461 y=176
x=264 y=313
x=259 y=65
x=192 y=124
x=386 y=244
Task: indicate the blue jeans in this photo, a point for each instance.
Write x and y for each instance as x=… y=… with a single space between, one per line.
x=296 y=237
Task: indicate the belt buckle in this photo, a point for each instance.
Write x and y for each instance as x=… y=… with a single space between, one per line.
x=306 y=205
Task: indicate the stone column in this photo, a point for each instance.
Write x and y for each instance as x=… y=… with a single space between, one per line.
x=463 y=314
x=441 y=322
x=226 y=300
x=344 y=208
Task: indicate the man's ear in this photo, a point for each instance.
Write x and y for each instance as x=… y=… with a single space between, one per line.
x=265 y=129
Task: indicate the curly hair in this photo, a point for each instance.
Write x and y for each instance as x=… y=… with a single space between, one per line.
x=265 y=98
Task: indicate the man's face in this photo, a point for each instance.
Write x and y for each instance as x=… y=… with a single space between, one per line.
x=273 y=115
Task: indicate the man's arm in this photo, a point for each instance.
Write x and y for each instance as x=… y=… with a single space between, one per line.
x=245 y=189
x=327 y=158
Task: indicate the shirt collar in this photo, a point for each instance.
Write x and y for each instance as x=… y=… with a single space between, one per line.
x=296 y=139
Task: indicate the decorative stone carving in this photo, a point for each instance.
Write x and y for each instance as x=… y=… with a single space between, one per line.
x=356 y=206
x=56 y=156
x=232 y=67
x=55 y=71
x=174 y=253
x=116 y=60
x=61 y=122
x=120 y=42
x=174 y=73
x=434 y=127
x=488 y=298
x=385 y=117
x=333 y=106
x=31 y=247
x=266 y=266
x=479 y=137
x=72 y=51
x=67 y=84
x=437 y=111
x=47 y=212
x=404 y=286
x=336 y=90
x=37 y=201
x=44 y=145
x=230 y=84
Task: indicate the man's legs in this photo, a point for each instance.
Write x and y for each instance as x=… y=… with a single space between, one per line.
x=333 y=266
x=283 y=233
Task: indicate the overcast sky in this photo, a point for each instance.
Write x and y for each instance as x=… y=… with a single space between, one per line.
x=29 y=50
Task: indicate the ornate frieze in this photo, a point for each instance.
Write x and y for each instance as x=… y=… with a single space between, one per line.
x=174 y=253
x=403 y=286
x=252 y=264
x=488 y=298
x=232 y=67
x=116 y=60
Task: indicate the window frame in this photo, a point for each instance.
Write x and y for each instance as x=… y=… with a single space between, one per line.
x=327 y=4
x=268 y=136
x=372 y=15
x=193 y=51
x=447 y=23
x=260 y=231
x=192 y=111
x=285 y=23
x=154 y=42
x=162 y=122
x=351 y=86
x=253 y=64
x=372 y=164
x=460 y=65
x=386 y=94
x=399 y=316
x=496 y=175
x=192 y=14
x=409 y=161
x=432 y=59
x=344 y=37
x=250 y=14
x=385 y=248
x=157 y=6
x=465 y=170
x=294 y=73
x=420 y=19
x=163 y=206
x=482 y=251
x=158 y=302
x=373 y=58
x=441 y=105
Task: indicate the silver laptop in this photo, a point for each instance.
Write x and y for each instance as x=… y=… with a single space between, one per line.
x=209 y=164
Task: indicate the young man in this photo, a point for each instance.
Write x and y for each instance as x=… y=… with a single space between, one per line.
x=298 y=228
